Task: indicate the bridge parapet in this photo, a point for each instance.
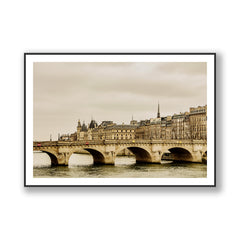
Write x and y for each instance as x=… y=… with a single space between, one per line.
x=108 y=142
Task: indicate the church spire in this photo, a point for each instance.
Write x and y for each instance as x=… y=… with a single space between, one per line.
x=158 y=114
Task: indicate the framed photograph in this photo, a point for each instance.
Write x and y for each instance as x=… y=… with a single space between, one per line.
x=120 y=119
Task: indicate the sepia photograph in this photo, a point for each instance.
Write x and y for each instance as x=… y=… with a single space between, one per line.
x=119 y=112
x=120 y=119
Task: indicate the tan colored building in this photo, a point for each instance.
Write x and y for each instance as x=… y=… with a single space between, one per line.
x=64 y=137
x=180 y=126
x=166 y=128
x=120 y=132
x=198 y=122
x=82 y=132
x=188 y=125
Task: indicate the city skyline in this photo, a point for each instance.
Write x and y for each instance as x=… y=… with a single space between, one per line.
x=66 y=92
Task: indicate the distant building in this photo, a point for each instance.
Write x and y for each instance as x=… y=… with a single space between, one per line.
x=79 y=127
x=166 y=128
x=64 y=137
x=106 y=123
x=99 y=133
x=83 y=132
x=120 y=132
x=73 y=136
x=133 y=122
x=180 y=126
x=188 y=125
x=198 y=122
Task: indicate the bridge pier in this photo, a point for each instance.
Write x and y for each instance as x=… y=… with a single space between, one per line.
x=157 y=157
x=63 y=158
x=197 y=156
x=109 y=158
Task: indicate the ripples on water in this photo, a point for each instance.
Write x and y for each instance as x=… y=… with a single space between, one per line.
x=81 y=166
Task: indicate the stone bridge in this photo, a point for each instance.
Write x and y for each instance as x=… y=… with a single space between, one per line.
x=105 y=152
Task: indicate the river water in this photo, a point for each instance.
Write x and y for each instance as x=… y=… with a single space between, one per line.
x=81 y=166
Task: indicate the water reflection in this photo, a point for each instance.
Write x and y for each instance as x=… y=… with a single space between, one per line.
x=81 y=166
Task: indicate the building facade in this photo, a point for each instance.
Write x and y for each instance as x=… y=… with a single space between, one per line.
x=188 y=125
x=198 y=122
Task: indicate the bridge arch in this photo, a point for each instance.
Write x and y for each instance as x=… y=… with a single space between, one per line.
x=76 y=157
x=98 y=156
x=180 y=154
x=52 y=156
x=141 y=153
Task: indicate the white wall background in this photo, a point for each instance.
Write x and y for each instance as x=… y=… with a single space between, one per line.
x=124 y=26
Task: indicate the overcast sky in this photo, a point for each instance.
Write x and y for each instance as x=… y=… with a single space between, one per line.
x=66 y=92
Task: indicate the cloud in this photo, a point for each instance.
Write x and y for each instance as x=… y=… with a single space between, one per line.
x=64 y=92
